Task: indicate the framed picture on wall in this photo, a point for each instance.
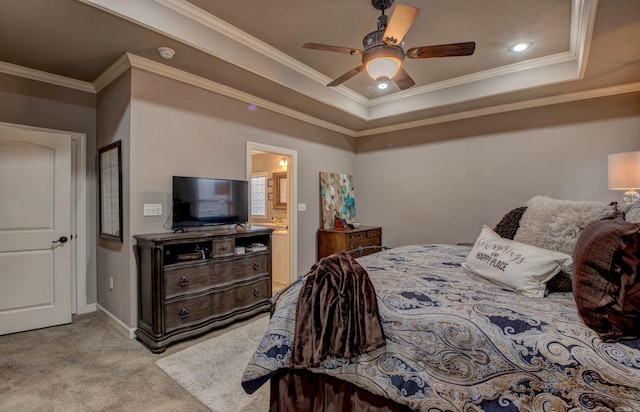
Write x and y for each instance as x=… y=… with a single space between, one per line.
x=110 y=174
x=280 y=190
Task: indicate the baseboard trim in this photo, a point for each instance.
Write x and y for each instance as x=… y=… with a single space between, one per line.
x=81 y=310
x=126 y=330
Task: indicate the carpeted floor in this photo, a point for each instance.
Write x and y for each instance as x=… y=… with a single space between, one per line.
x=89 y=365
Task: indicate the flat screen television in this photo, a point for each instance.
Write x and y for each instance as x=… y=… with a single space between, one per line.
x=199 y=201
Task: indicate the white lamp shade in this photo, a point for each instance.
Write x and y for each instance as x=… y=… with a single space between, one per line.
x=624 y=171
x=383 y=68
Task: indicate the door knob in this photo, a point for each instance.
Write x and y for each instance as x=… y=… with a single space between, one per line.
x=62 y=239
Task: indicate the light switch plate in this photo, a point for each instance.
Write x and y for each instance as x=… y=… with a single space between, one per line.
x=152 y=209
x=302 y=207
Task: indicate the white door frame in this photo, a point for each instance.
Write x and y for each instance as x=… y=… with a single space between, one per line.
x=79 y=199
x=292 y=210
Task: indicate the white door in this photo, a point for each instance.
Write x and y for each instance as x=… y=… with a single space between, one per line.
x=35 y=264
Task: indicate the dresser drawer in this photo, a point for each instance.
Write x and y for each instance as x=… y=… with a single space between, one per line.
x=365 y=243
x=374 y=233
x=194 y=278
x=355 y=236
x=251 y=265
x=187 y=279
x=196 y=308
x=223 y=247
x=368 y=238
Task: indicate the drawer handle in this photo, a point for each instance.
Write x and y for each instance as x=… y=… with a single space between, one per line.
x=256 y=266
x=184 y=313
x=184 y=281
x=256 y=292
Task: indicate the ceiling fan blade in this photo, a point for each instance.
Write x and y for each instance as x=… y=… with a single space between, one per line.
x=403 y=80
x=401 y=21
x=326 y=47
x=442 y=50
x=346 y=76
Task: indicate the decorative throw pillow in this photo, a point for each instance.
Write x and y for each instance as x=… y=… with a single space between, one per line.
x=507 y=228
x=556 y=224
x=562 y=282
x=510 y=223
x=632 y=213
x=521 y=267
x=606 y=284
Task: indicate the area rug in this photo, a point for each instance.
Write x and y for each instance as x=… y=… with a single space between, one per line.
x=211 y=370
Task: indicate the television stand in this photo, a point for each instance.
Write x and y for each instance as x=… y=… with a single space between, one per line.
x=191 y=283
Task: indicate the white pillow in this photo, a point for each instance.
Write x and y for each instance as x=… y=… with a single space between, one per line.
x=555 y=224
x=518 y=266
x=632 y=212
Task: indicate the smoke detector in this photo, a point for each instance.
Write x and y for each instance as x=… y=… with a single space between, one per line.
x=166 y=53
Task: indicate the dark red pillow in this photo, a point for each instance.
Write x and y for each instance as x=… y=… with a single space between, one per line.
x=606 y=268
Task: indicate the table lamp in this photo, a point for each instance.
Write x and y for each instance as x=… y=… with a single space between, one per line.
x=624 y=174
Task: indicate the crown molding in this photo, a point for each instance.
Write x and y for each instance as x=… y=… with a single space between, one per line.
x=583 y=14
x=131 y=60
x=113 y=72
x=128 y=61
x=209 y=85
x=183 y=22
x=561 y=67
x=189 y=24
x=214 y=23
x=503 y=108
x=38 y=75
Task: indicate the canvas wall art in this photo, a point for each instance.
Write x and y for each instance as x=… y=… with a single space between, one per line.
x=337 y=196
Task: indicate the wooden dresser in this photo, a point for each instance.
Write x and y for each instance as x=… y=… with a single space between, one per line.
x=190 y=283
x=334 y=241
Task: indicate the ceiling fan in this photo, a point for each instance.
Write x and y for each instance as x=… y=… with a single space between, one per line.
x=383 y=53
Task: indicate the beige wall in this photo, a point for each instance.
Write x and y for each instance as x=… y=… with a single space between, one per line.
x=32 y=103
x=178 y=129
x=114 y=123
x=444 y=190
x=432 y=184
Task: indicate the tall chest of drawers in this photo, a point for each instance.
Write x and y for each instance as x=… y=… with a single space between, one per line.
x=190 y=283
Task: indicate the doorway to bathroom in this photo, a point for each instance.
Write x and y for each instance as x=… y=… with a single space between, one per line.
x=272 y=172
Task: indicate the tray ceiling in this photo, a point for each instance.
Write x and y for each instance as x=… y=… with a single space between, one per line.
x=580 y=49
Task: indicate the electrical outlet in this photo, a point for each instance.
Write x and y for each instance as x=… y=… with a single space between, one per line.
x=152 y=209
x=110 y=282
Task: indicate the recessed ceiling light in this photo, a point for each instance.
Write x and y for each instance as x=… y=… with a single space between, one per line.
x=520 y=47
x=382 y=85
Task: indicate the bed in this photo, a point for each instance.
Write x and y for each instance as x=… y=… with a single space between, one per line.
x=459 y=341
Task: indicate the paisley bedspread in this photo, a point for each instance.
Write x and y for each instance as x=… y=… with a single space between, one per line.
x=457 y=342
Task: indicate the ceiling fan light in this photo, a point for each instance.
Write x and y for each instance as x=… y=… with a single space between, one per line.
x=383 y=68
